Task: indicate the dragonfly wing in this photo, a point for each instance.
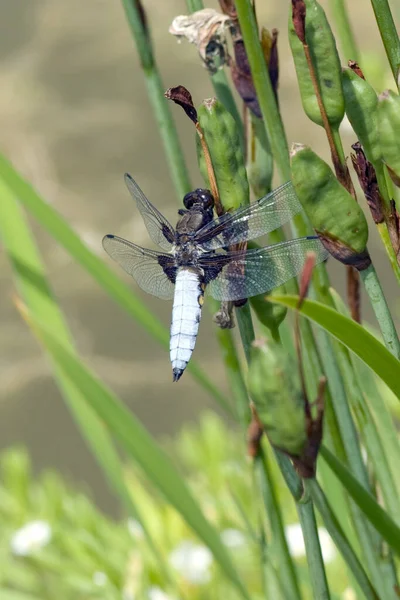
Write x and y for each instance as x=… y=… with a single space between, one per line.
x=246 y=274
x=251 y=221
x=153 y=271
x=160 y=230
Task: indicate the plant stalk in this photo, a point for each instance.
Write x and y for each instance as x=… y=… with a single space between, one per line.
x=155 y=90
x=381 y=310
x=389 y=35
x=346 y=35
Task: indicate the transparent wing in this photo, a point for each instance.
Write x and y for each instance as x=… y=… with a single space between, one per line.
x=251 y=221
x=160 y=231
x=246 y=274
x=145 y=266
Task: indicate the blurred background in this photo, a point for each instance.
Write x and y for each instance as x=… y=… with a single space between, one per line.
x=74 y=116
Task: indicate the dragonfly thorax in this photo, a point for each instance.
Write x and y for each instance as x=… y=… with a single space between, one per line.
x=187 y=253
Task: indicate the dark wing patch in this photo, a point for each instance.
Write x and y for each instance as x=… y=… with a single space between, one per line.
x=160 y=230
x=251 y=221
x=153 y=271
x=245 y=274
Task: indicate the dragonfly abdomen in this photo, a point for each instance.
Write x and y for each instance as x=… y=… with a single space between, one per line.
x=186 y=314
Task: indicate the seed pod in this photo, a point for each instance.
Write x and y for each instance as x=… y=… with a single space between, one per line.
x=361 y=108
x=389 y=131
x=325 y=59
x=333 y=212
x=222 y=136
x=275 y=390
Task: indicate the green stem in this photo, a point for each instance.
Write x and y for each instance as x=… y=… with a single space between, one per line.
x=313 y=550
x=368 y=431
x=155 y=89
x=389 y=35
x=285 y=562
x=262 y=83
x=381 y=310
x=246 y=328
x=308 y=523
x=233 y=369
x=346 y=36
x=383 y=581
x=336 y=532
x=336 y=385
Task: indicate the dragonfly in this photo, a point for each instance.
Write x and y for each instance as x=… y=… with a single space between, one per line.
x=206 y=253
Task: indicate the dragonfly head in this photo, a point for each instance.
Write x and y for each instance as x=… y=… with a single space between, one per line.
x=200 y=198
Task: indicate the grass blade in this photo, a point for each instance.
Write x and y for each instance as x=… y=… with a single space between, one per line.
x=32 y=284
x=138 y=444
x=382 y=522
x=351 y=334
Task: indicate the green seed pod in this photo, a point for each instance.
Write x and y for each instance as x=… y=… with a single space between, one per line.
x=325 y=58
x=333 y=212
x=275 y=389
x=361 y=108
x=222 y=136
x=260 y=161
x=389 y=130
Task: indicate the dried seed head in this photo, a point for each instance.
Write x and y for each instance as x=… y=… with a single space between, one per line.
x=206 y=29
x=368 y=182
x=299 y=19
x=269 y=44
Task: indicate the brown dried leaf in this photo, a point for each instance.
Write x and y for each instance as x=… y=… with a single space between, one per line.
x=368 y=182
x=228 y=8
x=299 y=19
x=355 y=67
x=180 y=95
x=306 y=276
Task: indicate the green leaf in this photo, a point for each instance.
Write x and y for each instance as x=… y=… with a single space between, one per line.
x=32 y=284
x=105 y=277
x=7 y=594
x=352 y=335
x=138 y=444
x=367 y=503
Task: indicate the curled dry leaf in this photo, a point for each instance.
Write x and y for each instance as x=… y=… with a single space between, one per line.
x=368 y=182
x=181 y=96
x=206 y=30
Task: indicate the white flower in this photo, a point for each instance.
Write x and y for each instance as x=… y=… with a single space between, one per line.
x=30 y=537
x=135 y=529
x=349 y=594
x=100 y=578
x=327 y=546
x=294 y=536
x=233 y=538
x=156 y=593
x=192 y=561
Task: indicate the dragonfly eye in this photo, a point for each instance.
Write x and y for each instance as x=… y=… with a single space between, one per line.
x=201 y=197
